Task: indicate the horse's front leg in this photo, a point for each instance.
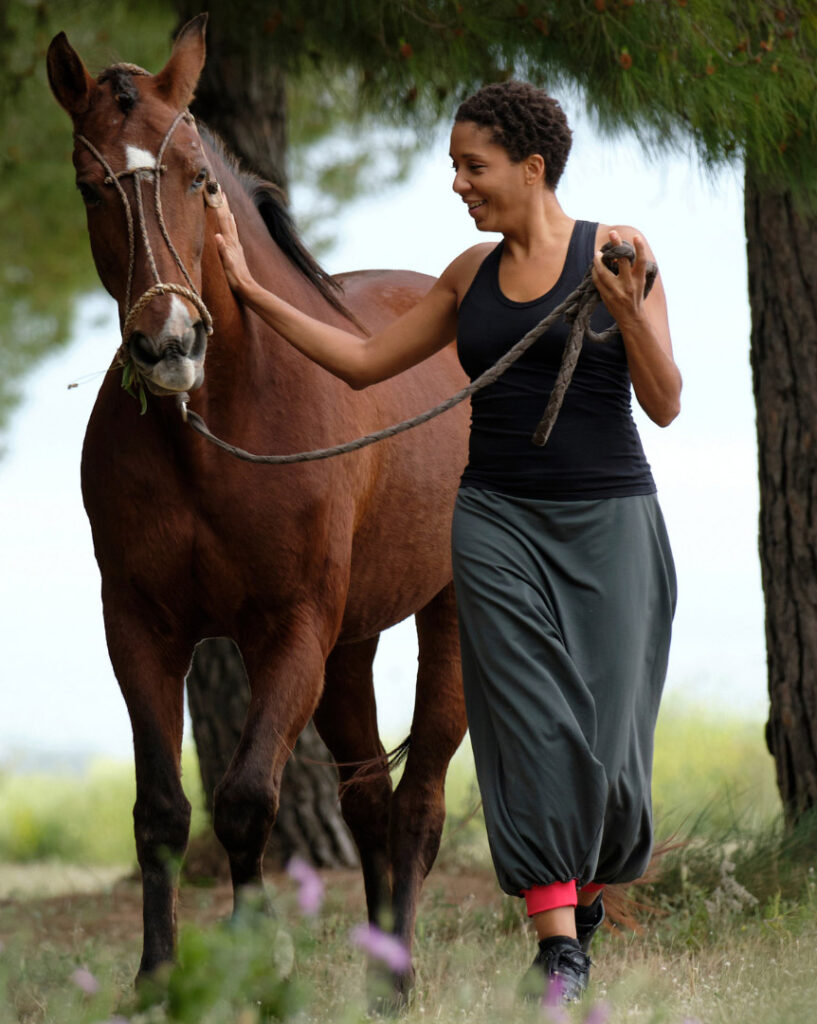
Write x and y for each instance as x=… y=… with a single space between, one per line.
x=151 y=670
x=286 y=677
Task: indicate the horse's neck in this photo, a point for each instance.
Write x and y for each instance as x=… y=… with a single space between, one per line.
x=252 y=342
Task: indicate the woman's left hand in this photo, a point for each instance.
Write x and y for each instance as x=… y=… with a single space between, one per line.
x=231 y=251
x=623 y=293
x=644 y=326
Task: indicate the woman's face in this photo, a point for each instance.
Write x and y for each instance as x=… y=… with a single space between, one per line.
x=485 y=178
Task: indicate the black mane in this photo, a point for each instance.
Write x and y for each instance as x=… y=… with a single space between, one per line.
x=270 y=202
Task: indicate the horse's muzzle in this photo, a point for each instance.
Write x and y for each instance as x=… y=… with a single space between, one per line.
x=172 y=364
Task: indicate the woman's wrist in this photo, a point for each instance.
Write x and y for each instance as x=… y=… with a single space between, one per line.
x=632 y=320
x=251 y=292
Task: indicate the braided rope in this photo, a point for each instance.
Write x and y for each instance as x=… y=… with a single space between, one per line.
x=113 y=179
x=577 y=309
x=184 y=115
x=163 y=288
x=140 y=210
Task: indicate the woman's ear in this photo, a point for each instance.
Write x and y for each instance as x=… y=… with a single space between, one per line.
x=534 y=169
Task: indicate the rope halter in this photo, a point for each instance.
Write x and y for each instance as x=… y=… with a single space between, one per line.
x=212 y=196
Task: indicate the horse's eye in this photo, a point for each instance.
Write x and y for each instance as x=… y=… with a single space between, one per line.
x=200 y=178
x=89 y=194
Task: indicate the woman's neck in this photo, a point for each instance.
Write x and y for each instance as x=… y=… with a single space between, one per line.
x=542 y=227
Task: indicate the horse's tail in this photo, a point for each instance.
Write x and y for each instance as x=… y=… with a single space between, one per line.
x=626 y=904
x=375 y=768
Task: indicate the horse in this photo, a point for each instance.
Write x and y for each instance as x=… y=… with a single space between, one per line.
x=302 y=565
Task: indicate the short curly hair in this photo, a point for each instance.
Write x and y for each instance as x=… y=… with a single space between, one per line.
x=523 y=120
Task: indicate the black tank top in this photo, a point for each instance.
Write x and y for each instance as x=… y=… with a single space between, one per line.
x=594 y=450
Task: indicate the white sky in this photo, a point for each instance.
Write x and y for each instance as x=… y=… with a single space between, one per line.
x=58 y=691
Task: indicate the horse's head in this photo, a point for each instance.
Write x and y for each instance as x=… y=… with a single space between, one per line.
x=145 y=181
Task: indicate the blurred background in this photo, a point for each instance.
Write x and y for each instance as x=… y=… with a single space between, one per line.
x=366 y=194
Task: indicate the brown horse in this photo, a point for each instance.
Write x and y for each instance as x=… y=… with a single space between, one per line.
x=301 y=565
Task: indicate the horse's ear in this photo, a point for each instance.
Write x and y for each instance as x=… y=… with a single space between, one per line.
x=68 y=77
x=177 y=80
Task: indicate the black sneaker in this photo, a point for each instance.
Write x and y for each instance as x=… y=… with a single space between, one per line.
x=588 y=922
x=559 y=973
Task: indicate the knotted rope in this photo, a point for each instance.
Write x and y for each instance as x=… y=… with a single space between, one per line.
x=577 y=309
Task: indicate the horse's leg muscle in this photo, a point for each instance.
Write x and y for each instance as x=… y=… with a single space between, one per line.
x=151 y=676
x=346 y=718
x=285 y=683
x=438 y=726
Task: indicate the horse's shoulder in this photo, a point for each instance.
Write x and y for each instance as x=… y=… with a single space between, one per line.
x=388 y=278
x=397 y=290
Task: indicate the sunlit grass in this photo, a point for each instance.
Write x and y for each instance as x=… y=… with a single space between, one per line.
x=78 y=819
x=709 y=759
x=755 y=968
x=732 y=935
x=704 y=764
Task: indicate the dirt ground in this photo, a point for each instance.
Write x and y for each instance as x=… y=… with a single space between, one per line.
x=115 y=911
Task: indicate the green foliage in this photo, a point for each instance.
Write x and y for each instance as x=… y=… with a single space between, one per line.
x=134 y=383
x=246 y=964
x=734 y=78
x=707 y=760
x=79 y=819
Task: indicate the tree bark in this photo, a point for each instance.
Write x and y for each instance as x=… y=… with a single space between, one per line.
x=782 y=264
x=309 y=823
x=241 y=94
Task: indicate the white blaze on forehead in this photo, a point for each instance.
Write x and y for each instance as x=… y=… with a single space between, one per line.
x=136 y=157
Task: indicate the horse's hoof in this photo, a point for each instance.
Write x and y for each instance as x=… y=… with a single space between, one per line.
x=251 y=901
x=389 y=993
x=151 y=983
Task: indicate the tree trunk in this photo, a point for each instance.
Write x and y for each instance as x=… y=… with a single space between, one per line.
x=782 y=263
x=242 y=96
x=309 y=823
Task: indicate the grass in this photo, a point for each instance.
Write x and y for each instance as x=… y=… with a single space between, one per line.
x=706 y=767
x=731 y=937
x=78 y=819
x=755 y=968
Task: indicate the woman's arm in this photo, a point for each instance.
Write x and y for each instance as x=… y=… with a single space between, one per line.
x=644 y=328
x=413 y=337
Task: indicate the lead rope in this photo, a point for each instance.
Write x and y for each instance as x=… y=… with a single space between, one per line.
x=577 y=309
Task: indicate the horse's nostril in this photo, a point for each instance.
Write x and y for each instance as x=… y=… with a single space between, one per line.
x=199 y=342
x=142 y=349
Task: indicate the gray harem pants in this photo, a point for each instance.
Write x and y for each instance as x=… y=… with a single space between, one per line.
x=565 y=615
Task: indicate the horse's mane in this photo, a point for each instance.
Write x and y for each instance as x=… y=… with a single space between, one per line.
x=270 y=203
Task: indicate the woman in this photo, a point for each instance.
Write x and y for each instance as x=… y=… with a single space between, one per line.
x=563 y=572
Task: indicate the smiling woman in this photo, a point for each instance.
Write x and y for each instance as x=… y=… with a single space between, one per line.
x=564 y=576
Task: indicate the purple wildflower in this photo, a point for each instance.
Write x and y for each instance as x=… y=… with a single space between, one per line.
x=554 y=1014
x=378 y=944
x=553 y=1004
x=310 y=885
x=84 y=980
x=599 y=1013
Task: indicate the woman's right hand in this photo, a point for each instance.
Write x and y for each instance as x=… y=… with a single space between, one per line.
x=230 y=249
